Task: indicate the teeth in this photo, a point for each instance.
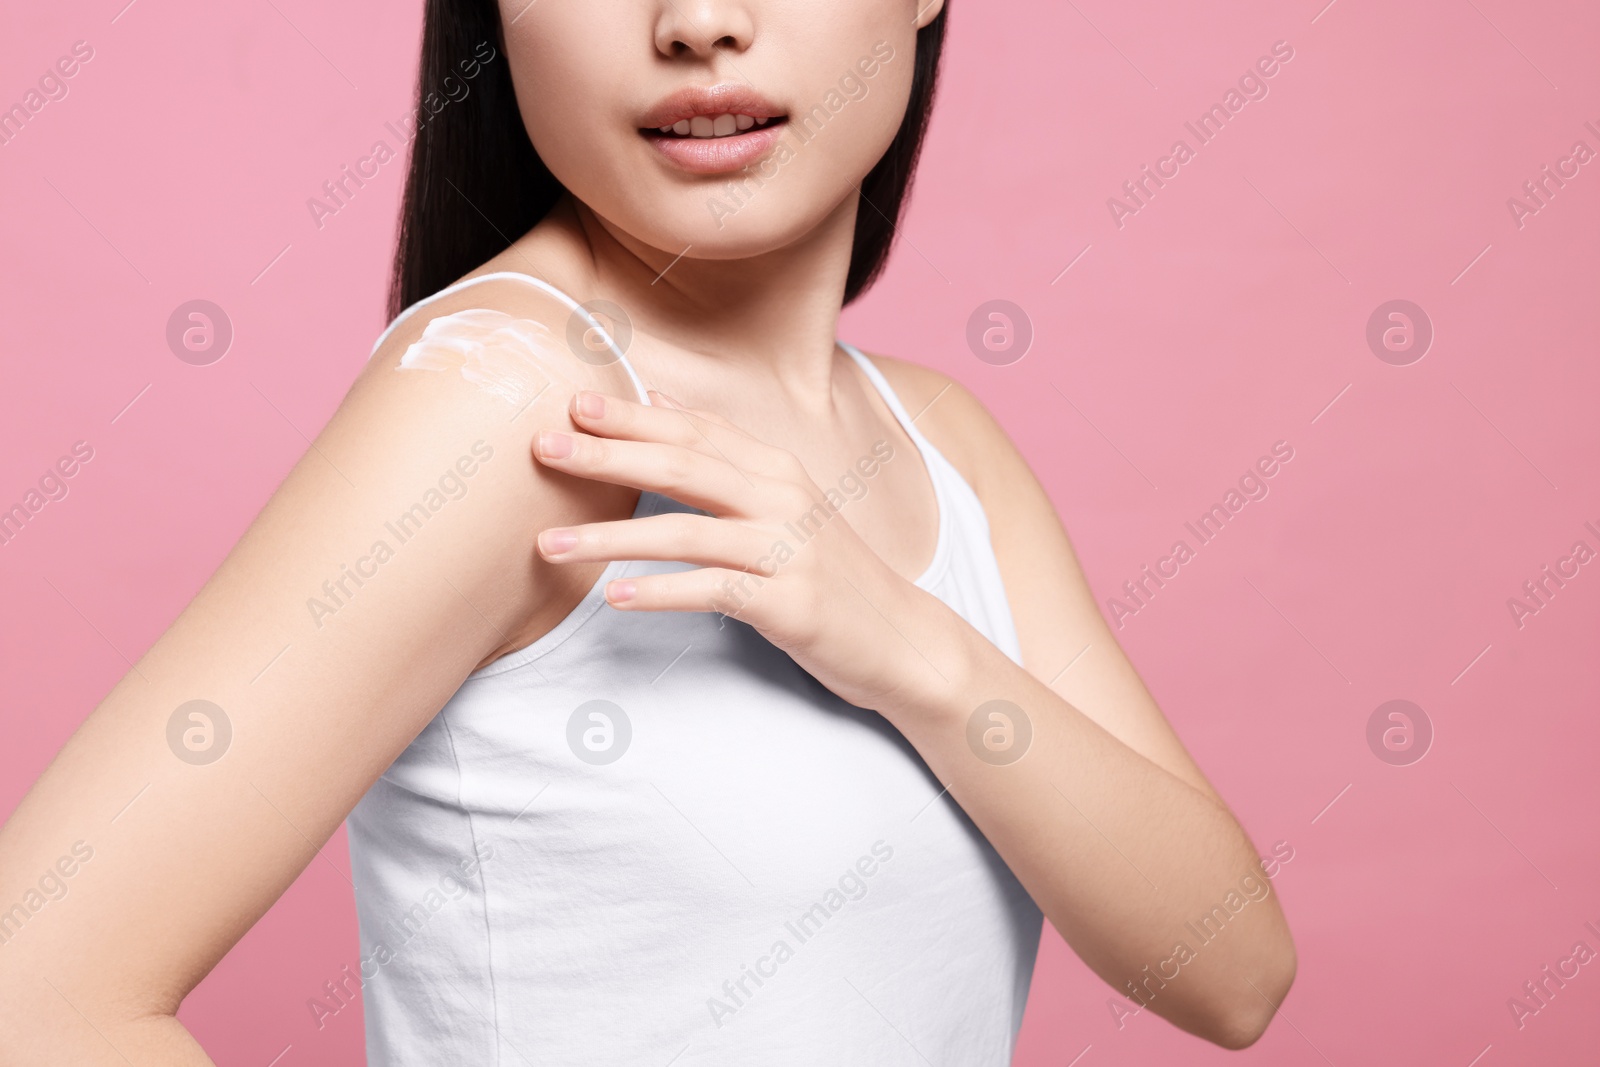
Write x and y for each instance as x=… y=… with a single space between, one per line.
x=713 y=125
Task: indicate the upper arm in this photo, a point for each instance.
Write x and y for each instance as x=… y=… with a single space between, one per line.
x=1065 y=640
x=395 y=557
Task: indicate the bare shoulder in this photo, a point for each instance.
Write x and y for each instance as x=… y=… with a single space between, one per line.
x=505 y=331
x=956 y=421
x=499 y=356
x=483 y=361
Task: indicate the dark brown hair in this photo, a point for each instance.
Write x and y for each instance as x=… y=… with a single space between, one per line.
x=475 y=183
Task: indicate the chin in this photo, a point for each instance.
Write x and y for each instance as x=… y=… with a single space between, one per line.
x=774 y=219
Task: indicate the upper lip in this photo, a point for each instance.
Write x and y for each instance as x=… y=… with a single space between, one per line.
x=709 y=101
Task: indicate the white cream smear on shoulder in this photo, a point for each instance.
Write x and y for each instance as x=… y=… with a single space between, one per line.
x=490 y=349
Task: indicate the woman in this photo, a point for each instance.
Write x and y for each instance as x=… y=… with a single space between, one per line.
x=758 y=725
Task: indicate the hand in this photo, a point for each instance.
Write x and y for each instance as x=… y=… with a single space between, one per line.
x=772 y=552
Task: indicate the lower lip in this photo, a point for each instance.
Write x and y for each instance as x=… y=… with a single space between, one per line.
x=717 y=155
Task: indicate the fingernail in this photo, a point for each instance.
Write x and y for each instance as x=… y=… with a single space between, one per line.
x=553 y=444
x=619 y=592
x=556 y=541
x=591 y=405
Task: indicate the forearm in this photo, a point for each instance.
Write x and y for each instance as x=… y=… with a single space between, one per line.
x=1122 y=855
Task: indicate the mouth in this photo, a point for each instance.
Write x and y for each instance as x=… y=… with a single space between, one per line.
x=713 y=130
x=706 y=126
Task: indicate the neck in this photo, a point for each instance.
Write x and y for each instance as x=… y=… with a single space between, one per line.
x=775 y=314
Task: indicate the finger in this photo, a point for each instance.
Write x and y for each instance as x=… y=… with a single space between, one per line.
x=733 y=593
x=698 y=539
x=610 y=416
x=663 y=398
x=700 y=480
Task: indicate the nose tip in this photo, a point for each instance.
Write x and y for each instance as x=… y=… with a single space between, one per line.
x=703 y=29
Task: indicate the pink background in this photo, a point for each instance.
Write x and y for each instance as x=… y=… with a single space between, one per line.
x=1227 y=314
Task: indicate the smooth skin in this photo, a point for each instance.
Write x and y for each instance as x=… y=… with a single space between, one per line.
x=1106 y=820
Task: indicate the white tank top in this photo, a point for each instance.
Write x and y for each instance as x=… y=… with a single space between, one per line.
x=650 y=839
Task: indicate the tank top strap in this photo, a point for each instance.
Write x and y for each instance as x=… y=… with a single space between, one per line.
x=510 y=275
x=890 y=398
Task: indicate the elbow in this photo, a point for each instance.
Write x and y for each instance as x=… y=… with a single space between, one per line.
x=1240 y=1024
x=1241 y=1029
x=41 y=1027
